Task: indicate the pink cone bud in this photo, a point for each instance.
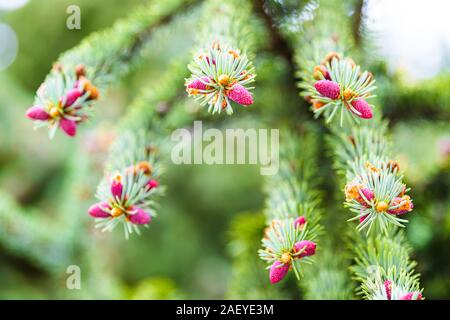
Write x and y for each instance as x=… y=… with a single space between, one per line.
x=405 y=208
x=37 y=113
x=198 y=84
x=140 y=217
x=72 y=96
x=363 y=108
x=68 y=126
x=299 y=221
x=327 y=88
x=278 y=271
x=152 y=184
x=310 y=248
x=361 y=219
x=117 y=187
x=388 y=288
x=97 y=210
x=240 y=95
x=411 y=296
x=368 y=194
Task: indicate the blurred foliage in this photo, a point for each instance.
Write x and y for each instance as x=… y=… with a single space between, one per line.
x=184 y=253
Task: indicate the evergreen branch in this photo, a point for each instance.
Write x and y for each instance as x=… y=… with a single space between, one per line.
x=132 y=171
x=66 y=97
x=222 y=71
x=130 y=192
x=374 y=187
x=384 y=268
x=126 y=192
x=358 y=21
x=277 y=41
x=292 y=212
x=21 y=228
x=328 y=279
x=61 y=241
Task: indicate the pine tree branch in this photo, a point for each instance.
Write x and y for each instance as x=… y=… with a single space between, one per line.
x=248 y=279
x=31 y=225
x=292 y=212
x=361 y=155
x=70 y=90
x=277 y=41
x=358 y=21
x=222 y=72
x=278 y=44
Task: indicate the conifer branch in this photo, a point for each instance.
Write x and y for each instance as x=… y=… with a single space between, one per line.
x=328 y=278
x=66 y=97
x=292 y=213
x=127 y=189
x=374 y=191
x=222 y=71
x=132 y=172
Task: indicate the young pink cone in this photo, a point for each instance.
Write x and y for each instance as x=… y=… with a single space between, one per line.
x=411 y=296
x=363 y=108
x=68 y=126
x=278 y=271
x=405 y=208
x=361 y=219
x=328 y=88
x=72 y=96
x=388 y=288
x=310 y=248
x=368 y=194
x=37 y=113
x=116 y=188
x=140 y=217
x=299 y=221
x=240 y=95
x=152 y=184
x=198 y=84
x=97 y=210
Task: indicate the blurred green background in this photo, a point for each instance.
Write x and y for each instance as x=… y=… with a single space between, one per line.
x=185 y=252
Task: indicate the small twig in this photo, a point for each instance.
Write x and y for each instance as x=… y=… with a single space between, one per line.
x=357 y=21
x=277 y=42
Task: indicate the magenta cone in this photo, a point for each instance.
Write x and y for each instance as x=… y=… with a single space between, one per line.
x=97 y=210
x=278 y=271
x=328 y=88
x=299 y=221
x=37 y=113
x=199 y=84
x=411 y=296
x=116 y=188
x=240 y=95
x=363 y=108
x=388 y=288
x=68 y=126
x=308 y=247
x=140 y=217
x=152 y=184
x=72 y=96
